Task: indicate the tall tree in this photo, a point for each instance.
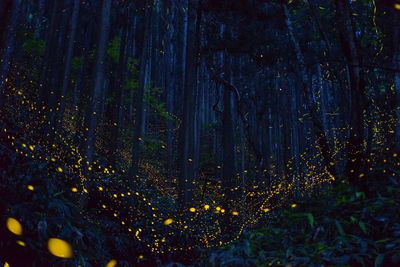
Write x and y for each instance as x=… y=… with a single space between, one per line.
x=68 y=60
x=98 y=80
x=351 y=52
x=396 y=65
x=116 y=120
x=144 y=81
x=320 y=134
x=187 y=134
x=8 y=48
x=170 y=81
x=228 y=133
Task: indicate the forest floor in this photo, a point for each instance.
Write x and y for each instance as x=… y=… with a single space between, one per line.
x=339 y=226
x=44 y=188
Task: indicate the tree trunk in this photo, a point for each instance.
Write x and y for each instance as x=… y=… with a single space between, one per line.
x=187 y=172
x=5 y=12
x=355 y=153
x=228 y=136
x=144 y=80
x=8 y=48
x=98 y=80
x=396 y=65
x=68 y=61
x=39 y=17
x=311 y=105
x=50 y=40
x=170 y=85
x=116 y=120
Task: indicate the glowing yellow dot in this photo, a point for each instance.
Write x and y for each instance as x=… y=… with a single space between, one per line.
x=235 y=213
x=74 y=189
x=104 y=206
x=141 y=257
x=192 y=209
x=100 y=188
x=112 y=263
x=14 y=226
x=59 y=248
x=222 y=211
x=206 y=206
x=59 y=169
x=32 y=147
x=397 y=6
x=293 y=205
x=6 y=264
x=21 y=243
x=115 y=195
x=218 y=208
x=168 y=221
x=266 y=210
x=30 y=187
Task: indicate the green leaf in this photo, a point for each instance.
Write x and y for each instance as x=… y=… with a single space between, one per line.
x=310 y=219
x=382 y=240
x=33 y=46
x=360 y=195
x=362 y=226
x=77 y=62
x=113 y=49
x=379 y=260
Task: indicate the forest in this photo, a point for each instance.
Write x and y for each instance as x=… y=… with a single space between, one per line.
x=199 y=133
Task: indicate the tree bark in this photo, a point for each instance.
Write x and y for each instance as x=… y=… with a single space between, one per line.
x=68 y=61
x=144 y=80
x=355 y=160
x=8 y=49
x=187 y=142
x=116 y=119
x=228 y=136
x=311 y=105
x=396 y=65
x=98 y=80
x=170 y=85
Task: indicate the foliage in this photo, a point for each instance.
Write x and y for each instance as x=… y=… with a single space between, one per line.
x=77 y=62
x=34 y=46
x=151 y=99
x=113 y=49
x=40 y=194
x=342 y=227
x=131 y=84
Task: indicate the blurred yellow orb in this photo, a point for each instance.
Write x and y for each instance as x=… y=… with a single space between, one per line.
x=59 y=248
x=14 y=226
